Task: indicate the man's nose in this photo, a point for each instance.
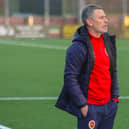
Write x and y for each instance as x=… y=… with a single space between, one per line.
x=106 y=20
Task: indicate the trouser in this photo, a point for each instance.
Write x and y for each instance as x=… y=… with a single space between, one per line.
x=99 y=116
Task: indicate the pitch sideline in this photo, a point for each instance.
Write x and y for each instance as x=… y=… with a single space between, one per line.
x=33 y=45
x=40 y=98
x=45 y=46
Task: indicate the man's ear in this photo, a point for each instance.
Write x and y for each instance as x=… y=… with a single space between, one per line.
x=89 y=22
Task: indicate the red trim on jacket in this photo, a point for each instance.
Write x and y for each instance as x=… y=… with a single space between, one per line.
x=116 y=99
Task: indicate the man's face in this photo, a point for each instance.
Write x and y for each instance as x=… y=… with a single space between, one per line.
x=99 y=21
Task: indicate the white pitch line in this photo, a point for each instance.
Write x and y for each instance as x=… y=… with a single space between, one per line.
x=36 y=45
x=25 y=44
x=26 y=98
x=4 y=127
x=124 y=97
x=39 y=98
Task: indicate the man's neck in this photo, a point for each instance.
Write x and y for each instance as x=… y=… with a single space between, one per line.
x=94 y=33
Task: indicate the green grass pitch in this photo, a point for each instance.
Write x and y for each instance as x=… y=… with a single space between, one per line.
x=34 y=68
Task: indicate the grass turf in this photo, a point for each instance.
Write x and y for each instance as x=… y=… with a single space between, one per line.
x=37 y=71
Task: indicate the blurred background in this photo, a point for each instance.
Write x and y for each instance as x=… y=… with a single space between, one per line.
x=56 y=18
x=34 y=36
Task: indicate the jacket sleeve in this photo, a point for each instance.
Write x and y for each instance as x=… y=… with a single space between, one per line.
x=75 y=59
x=115 y=88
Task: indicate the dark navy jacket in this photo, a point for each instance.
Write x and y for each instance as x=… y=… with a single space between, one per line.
x=78 y=67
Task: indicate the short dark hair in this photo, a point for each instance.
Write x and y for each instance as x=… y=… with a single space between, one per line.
x=88 y=12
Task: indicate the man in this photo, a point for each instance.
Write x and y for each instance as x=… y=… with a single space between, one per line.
x=90 y=89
